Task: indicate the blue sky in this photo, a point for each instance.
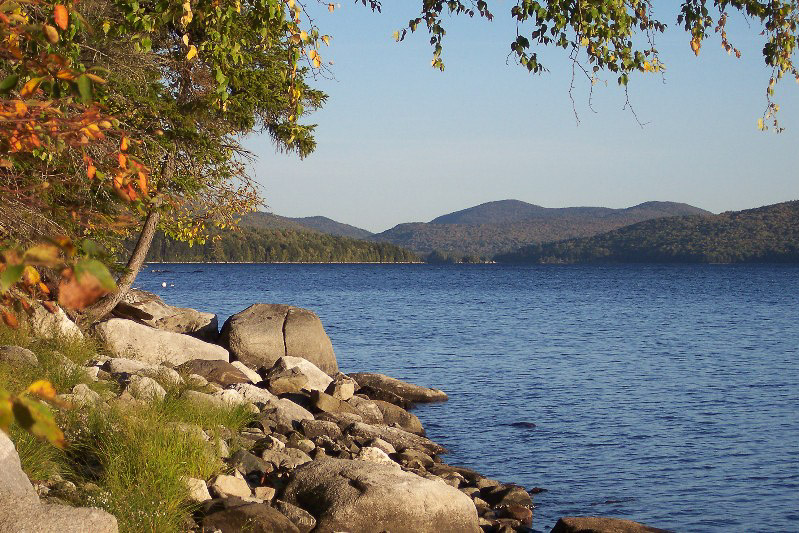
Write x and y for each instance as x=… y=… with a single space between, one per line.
x=399 y=141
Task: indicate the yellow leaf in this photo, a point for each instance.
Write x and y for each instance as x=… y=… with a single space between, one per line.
x=186 y=39
x=51 y=33
x=30 y=87
x=43 y=389
x=30 y=275
x=191 y=53
x=326 y=39
x=760 y=124
x=303 y=36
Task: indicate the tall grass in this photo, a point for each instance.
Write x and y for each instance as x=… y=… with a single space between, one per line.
x=138 y=455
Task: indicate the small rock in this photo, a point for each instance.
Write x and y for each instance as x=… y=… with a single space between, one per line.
x=250 y=517
x=406 y=391
x=247 y=463
x=408 y=455
x=376 y=455
x=16 y=355
x=265 y=493
x=325 y=402
x=288 y=366
x=342 y=387
x=145 y=389
x=255 y=378
x=383 y=445
x=316 y=428
x=225 y=486
x=198 y=490
x=301 y=518
x=254 y=394
x=220 y=372
x=83 y=395
x=597 y=524
x=521 y=513
x=289 y=381
x=167 y=377
x=368 y=410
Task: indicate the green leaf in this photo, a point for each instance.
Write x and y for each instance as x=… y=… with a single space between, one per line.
x=91 y=248
x=42 y=254
x=10 y=276
x=8 y=83
x=85 y=89
x=36 y=418
x=98 y=270
x=6 y=415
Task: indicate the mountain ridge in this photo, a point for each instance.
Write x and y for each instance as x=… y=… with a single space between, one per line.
x=501 y=226
x=762 y=234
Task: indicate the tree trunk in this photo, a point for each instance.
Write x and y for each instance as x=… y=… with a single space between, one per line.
x=106 y=304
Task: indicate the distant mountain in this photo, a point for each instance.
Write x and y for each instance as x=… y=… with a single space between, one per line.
x=765 y=234
x=262 y=220
x=495 y=227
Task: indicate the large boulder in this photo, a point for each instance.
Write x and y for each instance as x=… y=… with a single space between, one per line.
x=601 y=524
x=407 y=391
x=262 y=333
x=22 y=512
x=363 y=496
x=151 y=310
x=126 y=338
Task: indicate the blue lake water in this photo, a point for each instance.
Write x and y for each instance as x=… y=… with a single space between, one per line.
x=667 y=395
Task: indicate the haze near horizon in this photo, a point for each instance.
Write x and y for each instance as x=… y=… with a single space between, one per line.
x=401 y=142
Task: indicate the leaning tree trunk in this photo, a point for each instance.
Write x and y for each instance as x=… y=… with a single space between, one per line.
x=106 y=304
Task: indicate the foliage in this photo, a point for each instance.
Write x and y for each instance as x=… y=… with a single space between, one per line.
x=766 y=234
x=617 y=37
x=278 y=246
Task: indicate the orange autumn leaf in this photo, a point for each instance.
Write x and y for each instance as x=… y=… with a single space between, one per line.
x=61 y=16
x=44 y=288
x=10 y=320
x=123 y=161
x=74 y=293
x=123 y=144
x=143 y=184
x=50 y=306
x=91 y=172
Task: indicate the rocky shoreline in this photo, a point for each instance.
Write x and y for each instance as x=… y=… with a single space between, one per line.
x=324 y=451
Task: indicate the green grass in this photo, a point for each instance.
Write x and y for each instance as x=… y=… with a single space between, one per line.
x=135 y=454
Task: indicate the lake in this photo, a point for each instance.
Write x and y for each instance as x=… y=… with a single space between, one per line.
x=664 y=394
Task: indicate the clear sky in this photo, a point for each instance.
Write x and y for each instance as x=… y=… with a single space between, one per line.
x=400 y=142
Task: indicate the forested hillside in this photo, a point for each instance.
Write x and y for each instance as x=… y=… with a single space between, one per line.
x=264 y=245
x=260 y=219
x=765 y=234
x=496 y=227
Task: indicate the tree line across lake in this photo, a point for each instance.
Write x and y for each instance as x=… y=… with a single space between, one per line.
x=263 y=245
